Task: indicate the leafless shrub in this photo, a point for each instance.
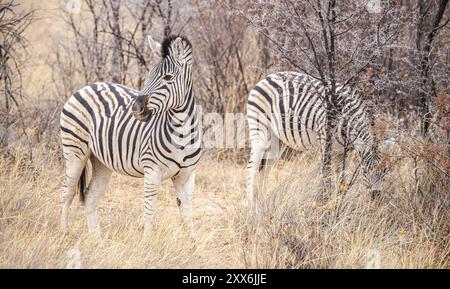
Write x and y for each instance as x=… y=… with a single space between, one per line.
x=227 y=63
x=13 y=23
x=107 y=43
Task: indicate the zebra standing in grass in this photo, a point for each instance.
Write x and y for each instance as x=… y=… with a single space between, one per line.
x=289 y=107
x=152 y=134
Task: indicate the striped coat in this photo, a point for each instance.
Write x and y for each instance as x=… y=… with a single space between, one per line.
x=152 y=134
x=289 y=107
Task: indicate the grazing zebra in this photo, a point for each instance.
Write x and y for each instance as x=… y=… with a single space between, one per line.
x=152 y=134
x=289 y=107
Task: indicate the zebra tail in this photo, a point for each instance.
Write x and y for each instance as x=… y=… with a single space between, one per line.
x=83 y=183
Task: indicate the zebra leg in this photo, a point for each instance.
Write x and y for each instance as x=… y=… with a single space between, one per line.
x=74 y=168
x=184 y=186
x=340 y=171
x=327 y=180
x=101 y=177
x=256 y=155
x=267 y=163
x=152 y=182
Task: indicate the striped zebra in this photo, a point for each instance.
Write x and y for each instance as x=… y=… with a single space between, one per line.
x=152 y=134
x=289 y=107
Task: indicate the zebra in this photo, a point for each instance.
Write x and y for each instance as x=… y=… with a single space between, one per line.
x=289 y=108
x=153 y=133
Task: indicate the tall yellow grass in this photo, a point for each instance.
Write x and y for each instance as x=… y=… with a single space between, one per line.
x=291 y=229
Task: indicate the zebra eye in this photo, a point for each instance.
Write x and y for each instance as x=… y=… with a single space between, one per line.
x=168 y=77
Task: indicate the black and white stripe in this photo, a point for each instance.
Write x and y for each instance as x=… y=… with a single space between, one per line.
x=152 y=134
x=289 y=107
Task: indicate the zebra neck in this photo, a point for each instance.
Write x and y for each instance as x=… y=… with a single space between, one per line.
x=366 y=143
x=355 y=127
x=186 y=113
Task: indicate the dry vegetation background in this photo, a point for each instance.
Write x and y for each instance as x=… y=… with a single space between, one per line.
x=407 y=227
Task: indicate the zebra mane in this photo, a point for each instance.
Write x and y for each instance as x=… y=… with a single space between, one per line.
x=165 y=46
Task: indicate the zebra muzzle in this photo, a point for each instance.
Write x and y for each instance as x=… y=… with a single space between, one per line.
x=139 y=110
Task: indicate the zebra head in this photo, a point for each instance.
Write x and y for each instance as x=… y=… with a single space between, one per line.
x=373 y=172
x=170 y=80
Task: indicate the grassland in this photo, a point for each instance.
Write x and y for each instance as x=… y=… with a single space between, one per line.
x=290 y=230
x=408 y=227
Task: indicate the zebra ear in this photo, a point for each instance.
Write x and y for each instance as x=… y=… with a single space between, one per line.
x=178 y=49
x=154 y=45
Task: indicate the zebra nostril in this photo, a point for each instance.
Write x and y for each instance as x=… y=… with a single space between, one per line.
x=137 y=108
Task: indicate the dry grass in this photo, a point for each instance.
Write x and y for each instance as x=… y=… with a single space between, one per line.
x=291 y=229
x=30 y=234
x=350 y=230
